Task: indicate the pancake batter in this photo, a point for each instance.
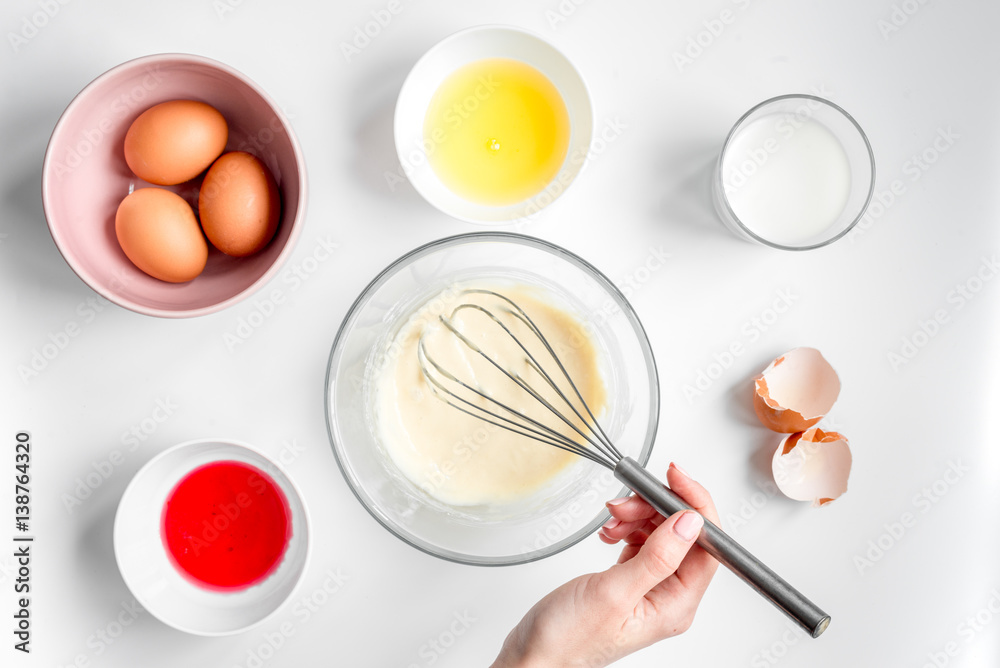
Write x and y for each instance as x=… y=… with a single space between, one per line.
x=459 y=459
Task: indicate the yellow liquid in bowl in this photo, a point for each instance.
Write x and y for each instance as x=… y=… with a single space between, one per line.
x=496 y=131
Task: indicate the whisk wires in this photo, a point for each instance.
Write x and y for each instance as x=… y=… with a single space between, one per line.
x=593 y=443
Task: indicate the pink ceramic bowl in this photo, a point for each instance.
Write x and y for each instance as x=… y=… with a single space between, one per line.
x=85 y=177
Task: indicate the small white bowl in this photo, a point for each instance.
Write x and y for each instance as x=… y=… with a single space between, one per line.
x=157 y=584
x=460 y=49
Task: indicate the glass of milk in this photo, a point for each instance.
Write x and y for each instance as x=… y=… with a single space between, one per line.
x=796 y=172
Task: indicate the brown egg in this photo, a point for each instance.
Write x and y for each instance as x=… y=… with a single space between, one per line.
x=239 y=204
x=159 y=234
x=175 y=141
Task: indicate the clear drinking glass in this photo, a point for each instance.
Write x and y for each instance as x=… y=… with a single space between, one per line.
x=796 y=172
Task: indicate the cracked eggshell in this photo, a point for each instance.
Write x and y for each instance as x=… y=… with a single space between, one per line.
x=813 y=465
x=795 y=391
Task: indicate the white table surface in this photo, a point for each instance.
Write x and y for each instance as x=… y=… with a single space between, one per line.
x=645 y=193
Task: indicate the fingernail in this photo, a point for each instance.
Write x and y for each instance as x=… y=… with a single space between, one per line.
x=611 y=524
x=688 y=525
x=686 y=474
x=615 y=502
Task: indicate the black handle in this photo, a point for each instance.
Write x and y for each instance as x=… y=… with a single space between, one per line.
x=727 y=551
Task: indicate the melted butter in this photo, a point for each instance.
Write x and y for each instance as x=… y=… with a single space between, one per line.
x=456 y=458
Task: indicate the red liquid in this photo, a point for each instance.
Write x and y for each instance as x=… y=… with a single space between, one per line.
x=226 y=525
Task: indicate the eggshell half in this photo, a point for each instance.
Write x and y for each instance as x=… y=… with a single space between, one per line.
x=795 y=391
x=812 y=466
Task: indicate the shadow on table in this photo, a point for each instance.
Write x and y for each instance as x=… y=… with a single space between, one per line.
x=113 y=612
x=374 y=159
x=739 y=405
x=32 y=255
x=686 y=202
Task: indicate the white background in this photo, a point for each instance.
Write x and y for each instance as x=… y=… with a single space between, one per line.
x=643 y=193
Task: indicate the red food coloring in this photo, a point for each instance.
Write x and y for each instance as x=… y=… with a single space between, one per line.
x=226 y=525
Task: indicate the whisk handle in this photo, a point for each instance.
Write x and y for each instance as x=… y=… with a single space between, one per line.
x=726 y=550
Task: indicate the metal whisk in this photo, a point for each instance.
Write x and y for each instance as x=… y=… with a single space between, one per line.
x=574 y=428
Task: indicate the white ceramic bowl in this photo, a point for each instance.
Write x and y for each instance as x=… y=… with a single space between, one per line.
x=157 y=584
x=460 y=49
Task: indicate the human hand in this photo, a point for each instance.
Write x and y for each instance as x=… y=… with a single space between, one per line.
x=652 y=592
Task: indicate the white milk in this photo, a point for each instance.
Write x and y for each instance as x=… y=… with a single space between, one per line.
x=786 y=179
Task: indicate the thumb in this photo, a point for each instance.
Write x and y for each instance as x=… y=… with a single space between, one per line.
x=661 y=554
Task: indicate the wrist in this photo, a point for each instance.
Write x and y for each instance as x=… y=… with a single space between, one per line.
x=506 y=661
x=515 y=655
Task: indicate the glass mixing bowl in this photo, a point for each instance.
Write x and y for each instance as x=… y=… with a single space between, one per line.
x=572 y=505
